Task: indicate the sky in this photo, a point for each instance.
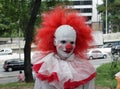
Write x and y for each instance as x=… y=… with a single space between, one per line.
x=100 y=1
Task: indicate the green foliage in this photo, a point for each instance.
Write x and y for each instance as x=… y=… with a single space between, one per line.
x=117 y=1
x=47 y=5
x=15 y=15
x=106 y=74
x=101 y=8
x=12 y=14
x=113 y=13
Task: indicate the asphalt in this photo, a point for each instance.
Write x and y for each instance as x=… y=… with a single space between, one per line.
x=14 y=45
x=7 y=75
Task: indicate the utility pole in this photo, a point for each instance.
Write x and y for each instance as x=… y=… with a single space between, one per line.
x=106 y=16
x=19 y=44
x=19 y=11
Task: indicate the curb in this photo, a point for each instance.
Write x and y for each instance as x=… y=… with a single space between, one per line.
x=8 y=76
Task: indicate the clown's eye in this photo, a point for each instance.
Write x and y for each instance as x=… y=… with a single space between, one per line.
x=63 y=41
x=72 y=42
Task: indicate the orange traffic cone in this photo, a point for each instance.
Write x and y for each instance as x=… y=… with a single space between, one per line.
x=118 y=80
x=117 y=77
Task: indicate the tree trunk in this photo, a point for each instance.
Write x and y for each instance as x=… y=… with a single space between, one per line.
x=28 y=39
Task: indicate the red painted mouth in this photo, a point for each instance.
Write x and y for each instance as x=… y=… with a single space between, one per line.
x=67 y=51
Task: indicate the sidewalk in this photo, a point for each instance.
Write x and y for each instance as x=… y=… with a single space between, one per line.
x=7 y=75
x=14 y=45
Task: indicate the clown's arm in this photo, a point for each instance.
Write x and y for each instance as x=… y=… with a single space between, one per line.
x=42 y=85
x=89 y=85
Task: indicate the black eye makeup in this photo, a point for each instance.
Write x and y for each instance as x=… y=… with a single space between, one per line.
x=63 y=41
x=72 y=42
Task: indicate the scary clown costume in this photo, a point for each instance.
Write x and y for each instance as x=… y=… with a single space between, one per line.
x=61 y=62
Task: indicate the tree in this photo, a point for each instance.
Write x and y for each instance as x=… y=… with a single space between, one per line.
x=113 y=14
x=28 y=39
x=29 y=34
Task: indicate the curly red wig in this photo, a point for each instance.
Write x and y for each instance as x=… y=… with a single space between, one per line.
x=61 y=16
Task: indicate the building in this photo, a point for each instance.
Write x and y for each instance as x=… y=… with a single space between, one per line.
x=112 y=38
x=88 y=8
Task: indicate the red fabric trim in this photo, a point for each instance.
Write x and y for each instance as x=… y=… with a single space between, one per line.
x=36 y=67
x=50 y=78
x=53 y=76
x=75 y=84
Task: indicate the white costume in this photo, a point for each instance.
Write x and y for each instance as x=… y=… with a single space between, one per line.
x=63 y=69
x=55 y=73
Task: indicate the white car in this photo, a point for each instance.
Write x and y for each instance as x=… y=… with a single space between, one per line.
x=5 y=51
x=95 y=53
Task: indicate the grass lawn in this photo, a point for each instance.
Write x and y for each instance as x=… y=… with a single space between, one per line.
x=105 y=78
x=17 y=85
x=106 y=75
x=23 y=85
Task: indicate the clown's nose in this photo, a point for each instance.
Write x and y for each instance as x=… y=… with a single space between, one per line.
x=68 y=47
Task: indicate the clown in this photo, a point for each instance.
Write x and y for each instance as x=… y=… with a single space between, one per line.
x=62 y=41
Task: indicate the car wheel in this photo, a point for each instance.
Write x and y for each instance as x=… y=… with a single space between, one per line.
x=90 y=58
x=5 y=70
x=105 y=56
x=118 y=53
x=10 y=69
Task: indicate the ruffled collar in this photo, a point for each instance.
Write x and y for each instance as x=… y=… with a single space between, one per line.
x=63 y=74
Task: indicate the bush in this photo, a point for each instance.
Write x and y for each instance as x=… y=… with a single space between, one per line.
x=106 y=74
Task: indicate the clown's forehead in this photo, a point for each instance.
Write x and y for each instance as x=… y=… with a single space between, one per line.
x=65 y=32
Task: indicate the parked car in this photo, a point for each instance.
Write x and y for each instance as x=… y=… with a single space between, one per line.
x=13 y=64
x=115 y=49
x=106 y=48
x=5 y=51
x=95 y=53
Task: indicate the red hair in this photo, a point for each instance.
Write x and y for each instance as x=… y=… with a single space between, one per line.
x=61 y=16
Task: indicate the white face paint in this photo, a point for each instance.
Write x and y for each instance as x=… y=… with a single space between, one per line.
x=65 y=38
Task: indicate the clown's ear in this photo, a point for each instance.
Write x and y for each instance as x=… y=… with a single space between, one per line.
x=55 y=42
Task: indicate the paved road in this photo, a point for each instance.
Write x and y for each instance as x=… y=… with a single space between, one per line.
x=7 y=77
x=6 y=80
x=96 y=63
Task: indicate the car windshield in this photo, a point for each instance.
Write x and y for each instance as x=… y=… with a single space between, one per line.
x=96 y=51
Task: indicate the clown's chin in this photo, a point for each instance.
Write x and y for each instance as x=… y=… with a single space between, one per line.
x=65 y=55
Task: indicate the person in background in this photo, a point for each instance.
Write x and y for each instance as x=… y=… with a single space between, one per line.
x=21 y=76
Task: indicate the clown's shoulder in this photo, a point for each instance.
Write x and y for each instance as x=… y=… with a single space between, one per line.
x=50 y=58
x=41 y=56
x=38 y=56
